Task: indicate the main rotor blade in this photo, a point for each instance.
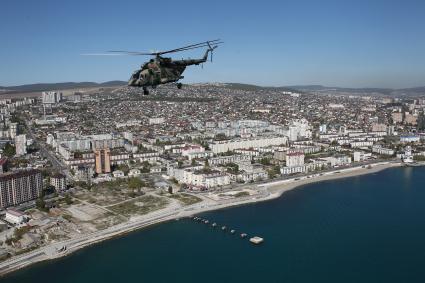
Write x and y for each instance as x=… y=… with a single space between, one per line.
x=132 y=52
x=214 y=42
x=194 y=46
x=188 y=48
x=102 y=54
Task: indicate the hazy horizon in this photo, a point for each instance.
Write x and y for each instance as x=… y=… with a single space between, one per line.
x=224 y=82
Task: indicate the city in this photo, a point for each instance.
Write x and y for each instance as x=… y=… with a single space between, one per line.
x=84 y=166
x=225 y=141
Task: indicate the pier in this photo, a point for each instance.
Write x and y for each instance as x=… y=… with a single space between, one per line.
x=255 y=240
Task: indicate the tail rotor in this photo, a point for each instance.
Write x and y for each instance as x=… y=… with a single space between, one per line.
x=211 y=49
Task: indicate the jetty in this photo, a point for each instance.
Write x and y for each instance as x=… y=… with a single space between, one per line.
x=255 y=240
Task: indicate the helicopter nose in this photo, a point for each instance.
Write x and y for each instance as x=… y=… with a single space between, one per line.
x=131 y=82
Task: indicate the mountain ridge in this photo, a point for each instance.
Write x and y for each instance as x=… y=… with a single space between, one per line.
x=38 y=87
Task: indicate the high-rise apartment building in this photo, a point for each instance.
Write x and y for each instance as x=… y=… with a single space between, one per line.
x=51 y=97
x=19 y=187
x=102 y=160
x=21 y=145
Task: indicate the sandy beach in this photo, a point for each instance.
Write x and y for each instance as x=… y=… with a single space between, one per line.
x=270 y=190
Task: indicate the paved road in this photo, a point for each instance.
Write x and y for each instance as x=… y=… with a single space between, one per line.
x=56 y=163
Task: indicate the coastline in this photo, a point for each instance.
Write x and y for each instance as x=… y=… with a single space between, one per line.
x=272 y=190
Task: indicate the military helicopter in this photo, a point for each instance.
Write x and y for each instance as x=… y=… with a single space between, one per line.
x=163 y=70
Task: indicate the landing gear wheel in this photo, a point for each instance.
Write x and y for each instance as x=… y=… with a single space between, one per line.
x=145 y=91
x=179 y=85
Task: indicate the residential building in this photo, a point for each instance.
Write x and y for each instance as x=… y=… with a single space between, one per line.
x=376 y=127
x=222 y=160
x=397 y=117
x=155 y=121
x=19 y=187
x=51 y=97
x=382 y=151
x=118 y=174
x=13 y=130
x=134 y=173
x=84 y=173
x=361 y=156
x=409 y=138
x=21 y=145
x=15 y=216
x=58 y=181
x=102 y=160
x=294 y=159
x=230 y=145
x=338 y=160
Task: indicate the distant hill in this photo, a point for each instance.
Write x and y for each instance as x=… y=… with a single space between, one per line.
x=321 y=88
x=361 y=91
x=248 y=87
x=58 y=86
x=310 y=88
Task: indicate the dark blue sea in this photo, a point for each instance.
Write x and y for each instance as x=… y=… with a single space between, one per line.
x=369 y=228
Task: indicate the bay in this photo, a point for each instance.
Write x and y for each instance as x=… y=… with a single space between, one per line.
x=368 y=228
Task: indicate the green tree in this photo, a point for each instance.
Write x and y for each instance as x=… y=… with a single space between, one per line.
x=265 y=161
x=124 y=168
x=273 y=172
x=40 y=204
x=68 y=199
x=9 y=150
x=135 y=183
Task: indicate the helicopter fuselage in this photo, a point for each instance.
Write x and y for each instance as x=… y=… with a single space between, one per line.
x=162 y=70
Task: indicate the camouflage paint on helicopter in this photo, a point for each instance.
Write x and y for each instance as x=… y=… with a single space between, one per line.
x=162 y=70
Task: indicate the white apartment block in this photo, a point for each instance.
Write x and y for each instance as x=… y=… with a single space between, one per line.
x=195 y=177
x=155 y=121
x=410 y=138
x=361 y=156
x=15 y=216
x=294 y=159
x=230 y=145
x=316 y=164
x=339 y=160
x=222 y=160
x=59 y=182
x=382 y=151
x=21 y=145
x=51 y=97
x=150 y=157
x=361 y=144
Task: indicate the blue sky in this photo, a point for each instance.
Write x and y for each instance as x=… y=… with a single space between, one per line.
x=340 y=43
